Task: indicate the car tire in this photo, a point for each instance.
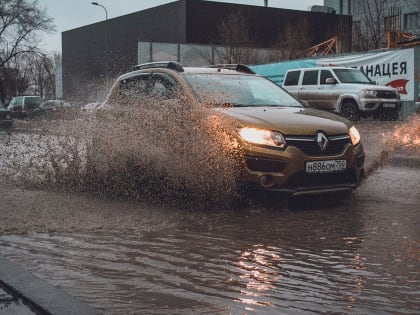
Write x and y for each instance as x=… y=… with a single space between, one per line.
x=350 y=111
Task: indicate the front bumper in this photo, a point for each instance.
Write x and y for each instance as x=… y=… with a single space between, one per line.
x=371 y=105
x=284 y=171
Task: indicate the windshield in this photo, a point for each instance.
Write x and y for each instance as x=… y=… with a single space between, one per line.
x=238 y=90
x=351 y=76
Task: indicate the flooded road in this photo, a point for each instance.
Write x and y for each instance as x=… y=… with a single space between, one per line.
x=358 y=257
x=324 y=254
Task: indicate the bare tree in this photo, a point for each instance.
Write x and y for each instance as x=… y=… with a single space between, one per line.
x=292 y=40
x=43 y=76
x=236 y=44
x=369 y=31
x=235 y=39
x=21 y=21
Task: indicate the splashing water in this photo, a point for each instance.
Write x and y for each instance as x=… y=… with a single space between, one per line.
x=155 y=150
x=407 y=135
x=380 y=139
x=164 y=148
x=170 y=151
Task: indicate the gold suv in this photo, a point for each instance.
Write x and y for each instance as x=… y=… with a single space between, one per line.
x=285 y=146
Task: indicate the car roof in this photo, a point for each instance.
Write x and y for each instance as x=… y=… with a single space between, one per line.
x=321 y=68
x=208 y=70
x=186 y=70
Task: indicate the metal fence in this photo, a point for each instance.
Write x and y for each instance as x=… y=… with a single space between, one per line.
x=201 y=55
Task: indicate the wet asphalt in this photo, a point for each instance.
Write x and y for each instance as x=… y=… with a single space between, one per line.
x=22 y=293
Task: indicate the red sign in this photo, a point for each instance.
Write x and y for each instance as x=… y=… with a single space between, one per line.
x=399 y=85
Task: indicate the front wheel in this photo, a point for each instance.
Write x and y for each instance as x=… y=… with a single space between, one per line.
x=350 y=111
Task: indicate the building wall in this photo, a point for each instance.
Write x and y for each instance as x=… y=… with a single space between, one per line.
x=84 y=48
x=185 y=21
x=265 y=24
x=410 y=11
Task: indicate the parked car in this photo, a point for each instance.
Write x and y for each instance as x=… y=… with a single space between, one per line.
x=344 y=90
x=285 y=147
x=23 y=106
x=52 y=106
x=6 y=120
x=90 y=108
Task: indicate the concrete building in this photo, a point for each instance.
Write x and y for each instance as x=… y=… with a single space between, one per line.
x=380 y=16
x=95 y=52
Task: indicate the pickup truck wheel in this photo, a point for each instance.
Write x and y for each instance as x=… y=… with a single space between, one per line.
x=350 y=111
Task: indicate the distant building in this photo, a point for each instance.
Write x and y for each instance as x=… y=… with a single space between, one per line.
x=94 y=52
x=385 y=16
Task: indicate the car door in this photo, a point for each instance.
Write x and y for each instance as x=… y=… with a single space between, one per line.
x=30 y=103
x=327 y=91
x=16 y=105
x=309 y=88
x=291 y=82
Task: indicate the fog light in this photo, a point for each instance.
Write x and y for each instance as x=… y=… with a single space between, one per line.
x=266 y=181
x=370 y=105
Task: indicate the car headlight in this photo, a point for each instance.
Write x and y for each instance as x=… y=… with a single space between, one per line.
x=367 y=92
x=263 y=137
x=354 y=135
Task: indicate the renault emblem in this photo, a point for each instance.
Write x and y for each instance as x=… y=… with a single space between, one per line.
x=322 y=141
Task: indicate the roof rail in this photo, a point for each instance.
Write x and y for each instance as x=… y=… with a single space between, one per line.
x=233 y=66
x=173 y=65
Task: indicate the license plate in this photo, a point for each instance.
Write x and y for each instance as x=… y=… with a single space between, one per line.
x=389 y=105
x=325 y=166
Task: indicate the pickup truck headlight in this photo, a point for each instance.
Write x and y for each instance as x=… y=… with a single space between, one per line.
x=262 y=136
x=354 y=135
x=368 y=92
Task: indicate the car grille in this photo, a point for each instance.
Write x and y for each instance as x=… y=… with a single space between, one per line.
x=386 y=94
x=302 y=179
x=309 y=146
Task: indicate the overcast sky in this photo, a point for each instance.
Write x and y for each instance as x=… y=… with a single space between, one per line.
x=70 y=14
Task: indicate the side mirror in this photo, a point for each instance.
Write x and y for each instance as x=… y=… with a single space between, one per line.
x=331 y=81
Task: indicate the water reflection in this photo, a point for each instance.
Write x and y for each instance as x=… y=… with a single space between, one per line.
x=223 y=264
x=258 y=270
x=323 y=258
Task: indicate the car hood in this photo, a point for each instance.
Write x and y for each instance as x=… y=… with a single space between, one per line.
x=289 y=120
x=360 y=86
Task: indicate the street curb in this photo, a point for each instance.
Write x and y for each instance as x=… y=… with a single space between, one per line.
x=39 y=294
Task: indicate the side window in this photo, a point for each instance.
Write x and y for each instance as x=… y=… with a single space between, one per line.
x=163 y=86
x=292 y=78
x=325 y=74
x=17 y=101
x=310 y=77
x=132 y=89
x=32 y=101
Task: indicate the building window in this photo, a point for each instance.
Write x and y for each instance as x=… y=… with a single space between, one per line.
x=412 y=20
x=392 y=23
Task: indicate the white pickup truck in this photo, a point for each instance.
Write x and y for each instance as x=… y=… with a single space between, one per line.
x=347 y=91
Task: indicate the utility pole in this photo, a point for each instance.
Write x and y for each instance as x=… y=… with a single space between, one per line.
x=106 y=40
